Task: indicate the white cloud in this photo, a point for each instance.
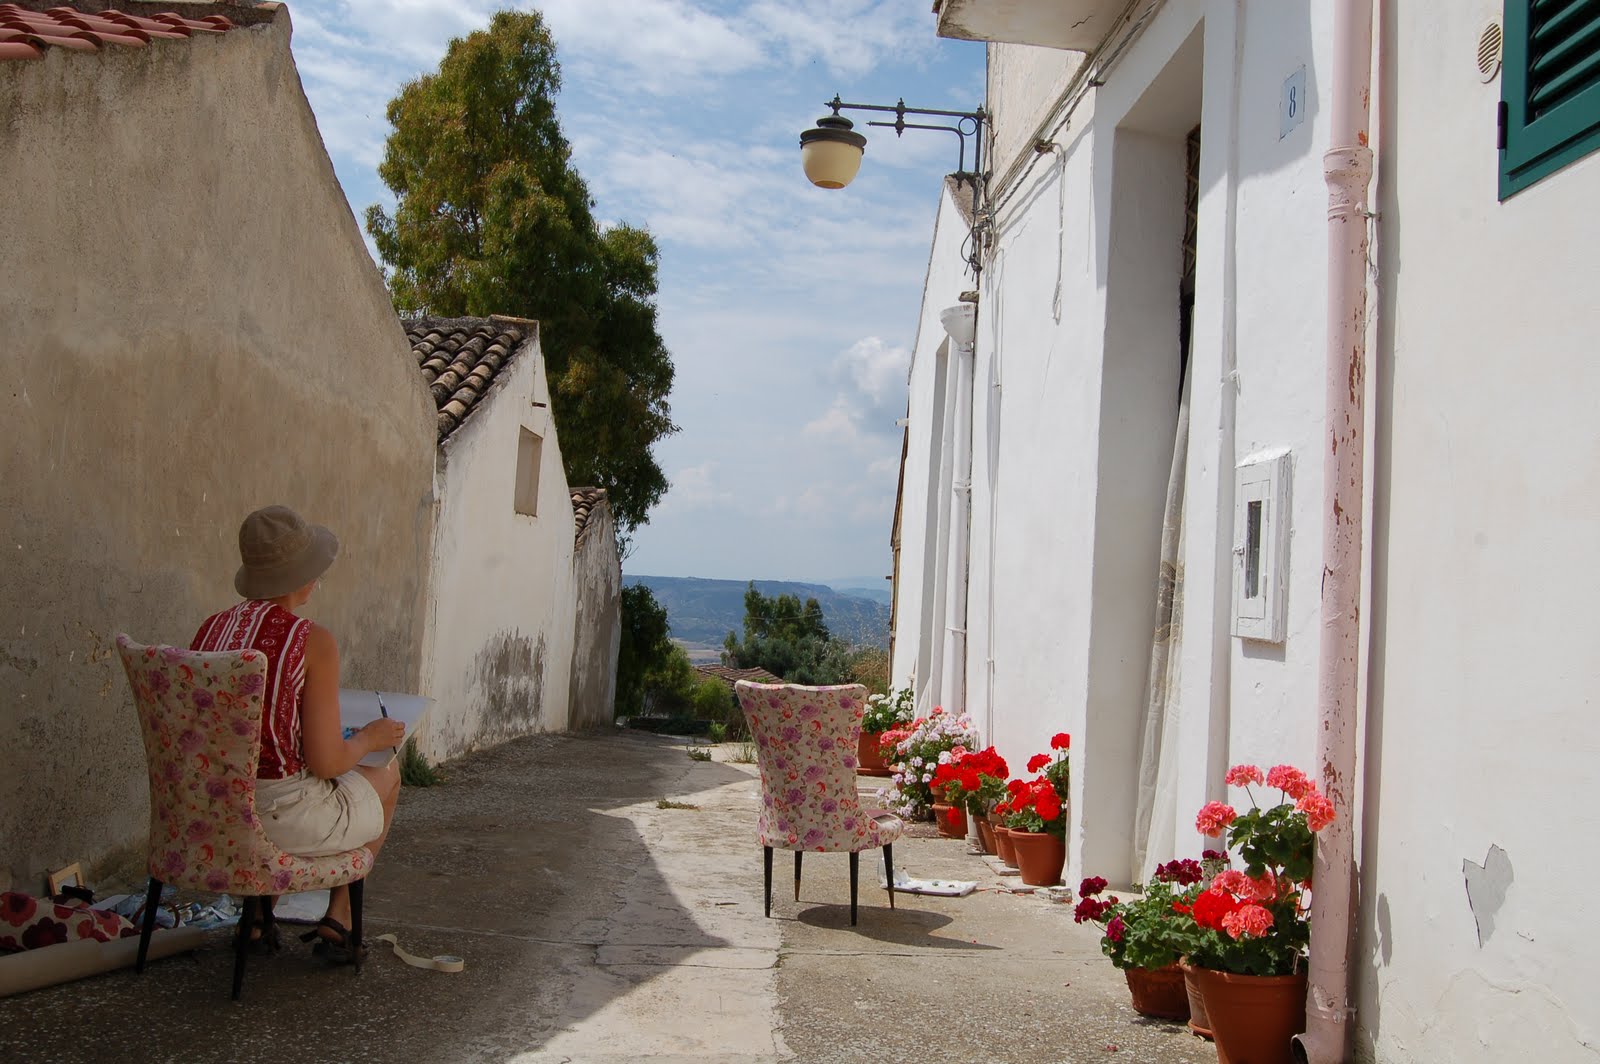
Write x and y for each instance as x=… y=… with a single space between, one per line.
x=695 y=487
x=877 y=369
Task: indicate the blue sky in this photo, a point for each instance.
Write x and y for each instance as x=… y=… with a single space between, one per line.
x=789 y=310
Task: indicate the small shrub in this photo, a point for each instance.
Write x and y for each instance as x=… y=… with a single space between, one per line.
x=667 y=803
x=699 y=753
x=718 y=731
x=745 y=755
x=414 y=768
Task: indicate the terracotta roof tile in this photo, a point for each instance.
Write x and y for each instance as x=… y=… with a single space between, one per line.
x=25 y=30
x=585 y=503
x=460 y=357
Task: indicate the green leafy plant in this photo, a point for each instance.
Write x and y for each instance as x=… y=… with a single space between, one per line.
x=745 y=754
x=699 y=753
x=1148 y=931
x=717 y=730
x=975 y=780
x=414 y=768
x=667 y=803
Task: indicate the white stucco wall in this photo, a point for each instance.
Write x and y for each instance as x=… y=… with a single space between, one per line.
x=1484 y=677
x=920 y=566
x=1483 y=494
x=501 y=627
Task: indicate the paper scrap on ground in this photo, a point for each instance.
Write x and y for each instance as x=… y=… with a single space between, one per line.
x=444 y=962
x=304 y=908
x=946 y=888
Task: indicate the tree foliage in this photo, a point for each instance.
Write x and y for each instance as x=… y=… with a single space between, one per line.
x=492 y=218
x=788 y=638
x=645 y=648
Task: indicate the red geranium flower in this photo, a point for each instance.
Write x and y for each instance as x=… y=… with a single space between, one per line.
x=1037 y=762
x=1061 y=741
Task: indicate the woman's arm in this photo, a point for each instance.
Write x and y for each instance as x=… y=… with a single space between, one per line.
x=328 y=752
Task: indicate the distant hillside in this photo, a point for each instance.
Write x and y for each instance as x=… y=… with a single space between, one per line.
x=705 y=611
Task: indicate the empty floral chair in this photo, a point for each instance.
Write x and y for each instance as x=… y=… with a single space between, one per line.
x=201 y=718
x=806 y=746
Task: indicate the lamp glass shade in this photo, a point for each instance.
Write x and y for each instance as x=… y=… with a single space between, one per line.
x=830 y=163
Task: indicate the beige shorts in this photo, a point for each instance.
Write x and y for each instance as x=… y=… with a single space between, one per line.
x=310 y=817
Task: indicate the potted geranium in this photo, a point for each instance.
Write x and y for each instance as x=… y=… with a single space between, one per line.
x=1037 y=815
x=915 y=757
x=884 y=713
x=970 y=783
x=1146 y=936
x=1250 y=952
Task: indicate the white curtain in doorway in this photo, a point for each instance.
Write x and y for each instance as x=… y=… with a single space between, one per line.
x=1155 y=815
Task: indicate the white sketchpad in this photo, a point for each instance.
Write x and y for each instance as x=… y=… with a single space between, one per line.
x=360 y=708
x=304 y=908
x=946 y=888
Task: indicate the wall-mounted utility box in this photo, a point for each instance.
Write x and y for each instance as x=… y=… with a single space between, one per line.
x=1261 y=546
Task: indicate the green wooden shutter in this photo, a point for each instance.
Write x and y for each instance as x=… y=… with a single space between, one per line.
x=1550 y=87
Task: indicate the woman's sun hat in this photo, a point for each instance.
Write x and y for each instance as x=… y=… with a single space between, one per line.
x=281 y=553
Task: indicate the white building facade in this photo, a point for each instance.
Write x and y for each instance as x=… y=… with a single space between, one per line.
x=1147 y=421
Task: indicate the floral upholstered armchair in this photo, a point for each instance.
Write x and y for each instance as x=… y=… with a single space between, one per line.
x=806 y=747
x=200 y=713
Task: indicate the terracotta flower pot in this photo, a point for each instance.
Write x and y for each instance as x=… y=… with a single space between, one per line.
x=1253 y=1017
x=1040 y=857
x=1002 y=844
x=986 y=837
x=1199 y=1021
x=952 y=820
x=868 y=759
x=1158 y=992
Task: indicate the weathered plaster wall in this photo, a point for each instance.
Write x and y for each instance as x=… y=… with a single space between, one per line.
x=194 y=329
x=597 y=638
x=1483 y=679
x=499 y=661
x=1024 y=82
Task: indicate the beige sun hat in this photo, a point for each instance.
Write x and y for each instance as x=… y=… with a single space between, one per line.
x=281 y=553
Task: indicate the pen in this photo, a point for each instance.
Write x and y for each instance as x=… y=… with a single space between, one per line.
x=385 y=711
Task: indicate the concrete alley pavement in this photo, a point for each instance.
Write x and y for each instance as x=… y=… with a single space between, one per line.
x=598 y=927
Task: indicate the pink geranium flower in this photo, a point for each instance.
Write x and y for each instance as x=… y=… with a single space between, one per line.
x=1251 y=921
x=1239 y=775
x=1290 y=781
x=1318 y=809
x=1214 y=818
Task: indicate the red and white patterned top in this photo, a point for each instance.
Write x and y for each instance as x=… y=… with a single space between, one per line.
x=281 y=636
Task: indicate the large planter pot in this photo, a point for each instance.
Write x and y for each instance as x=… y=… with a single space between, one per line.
x=986 y=837
x=868 y=760
x=1158 y=992
x=1040 y=857
x=1002 y=844
x=952 y=820
x=1253 y=1017
x=1199 y=1021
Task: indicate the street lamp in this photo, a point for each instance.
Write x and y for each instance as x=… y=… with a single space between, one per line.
x=831 y=152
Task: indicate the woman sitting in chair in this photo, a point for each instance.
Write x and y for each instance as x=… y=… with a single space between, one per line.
x=312 y=796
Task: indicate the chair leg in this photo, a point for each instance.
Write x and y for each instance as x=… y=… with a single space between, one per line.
x=358 y=889
x=766 y=862
x=855 y=867
x=797 y=855
x=888 y=870
x=147 y=926
x=241 y=944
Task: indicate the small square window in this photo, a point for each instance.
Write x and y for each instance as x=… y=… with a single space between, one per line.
x=530 y=448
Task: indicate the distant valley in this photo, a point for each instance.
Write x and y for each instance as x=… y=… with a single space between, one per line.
x=703 y=612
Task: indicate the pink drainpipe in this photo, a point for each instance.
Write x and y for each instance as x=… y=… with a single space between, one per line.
x=1348 y=169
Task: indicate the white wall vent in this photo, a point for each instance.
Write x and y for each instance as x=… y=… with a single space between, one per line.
x=1261 y=546
x=1491 y=45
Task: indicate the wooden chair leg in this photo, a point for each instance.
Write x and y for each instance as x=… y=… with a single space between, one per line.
x=767 y=865
x=855 y=868
x=797 y=855
x=241 y=944
x=358 y=890
x=888 y=870
x=147 y=926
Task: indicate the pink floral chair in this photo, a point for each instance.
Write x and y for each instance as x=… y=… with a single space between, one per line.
x=201 y=718
x=806 y=746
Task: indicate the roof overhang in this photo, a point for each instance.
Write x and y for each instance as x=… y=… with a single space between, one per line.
x=1078 y=25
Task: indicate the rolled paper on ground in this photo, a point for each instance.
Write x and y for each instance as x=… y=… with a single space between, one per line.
x=67 y=961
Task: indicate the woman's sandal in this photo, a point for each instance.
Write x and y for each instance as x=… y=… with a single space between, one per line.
x=335 y=951
x=264 y=940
